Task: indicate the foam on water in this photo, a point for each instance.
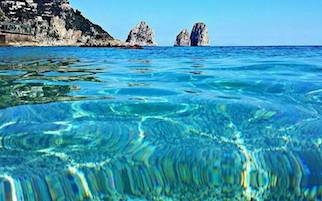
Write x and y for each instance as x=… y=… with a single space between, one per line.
x=232 y=123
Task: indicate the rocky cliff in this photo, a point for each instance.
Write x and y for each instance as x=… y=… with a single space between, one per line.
x=183 y=39
x=52 y=21
x=142 y=34
x=199 y=35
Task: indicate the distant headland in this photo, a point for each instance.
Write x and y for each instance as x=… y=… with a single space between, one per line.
x=56 y=23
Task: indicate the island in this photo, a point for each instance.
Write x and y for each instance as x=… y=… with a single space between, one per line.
x=56 y=23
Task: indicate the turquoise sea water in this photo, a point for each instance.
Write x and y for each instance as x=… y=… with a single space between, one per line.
x=230 y=123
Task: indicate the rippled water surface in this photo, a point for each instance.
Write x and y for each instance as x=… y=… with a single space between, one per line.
x=158 y=124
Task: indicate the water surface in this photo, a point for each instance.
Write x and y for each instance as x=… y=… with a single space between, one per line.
x=223 y=123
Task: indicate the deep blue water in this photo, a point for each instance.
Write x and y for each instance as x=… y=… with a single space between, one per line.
x=221 y=123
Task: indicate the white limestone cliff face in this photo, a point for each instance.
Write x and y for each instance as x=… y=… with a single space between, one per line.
x=60 y=32
x=52 y=21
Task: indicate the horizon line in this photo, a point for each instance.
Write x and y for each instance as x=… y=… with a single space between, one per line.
x=210 y=46
x=239 y=46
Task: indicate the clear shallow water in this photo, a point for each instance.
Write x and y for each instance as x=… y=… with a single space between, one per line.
x=161 y=124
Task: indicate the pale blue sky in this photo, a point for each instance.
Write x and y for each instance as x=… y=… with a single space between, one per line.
x=230 y=22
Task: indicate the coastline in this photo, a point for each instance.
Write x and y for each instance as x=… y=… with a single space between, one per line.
x=36 y=44
x=63 y=44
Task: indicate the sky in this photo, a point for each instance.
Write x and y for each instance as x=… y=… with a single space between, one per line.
x=230 y=22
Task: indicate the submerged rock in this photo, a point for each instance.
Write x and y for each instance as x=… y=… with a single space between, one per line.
x=183 y=39
x=199 y=35
x=141 y=35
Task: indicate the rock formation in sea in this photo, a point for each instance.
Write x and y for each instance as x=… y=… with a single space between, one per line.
x=104 y=42
x=199 y=35
x=52 y=22
x=141 y=35
x=183 y=39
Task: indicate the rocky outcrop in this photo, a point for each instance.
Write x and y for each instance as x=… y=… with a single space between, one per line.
x=52 y=21
x=59 y=31
x=109 y=43
x=141 y=35
x=183 y=39
x=103 y=42
x=199 y=35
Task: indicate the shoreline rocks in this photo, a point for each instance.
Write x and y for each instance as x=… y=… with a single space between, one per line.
x=141 y=35
x=103 y=42
x=198 y=37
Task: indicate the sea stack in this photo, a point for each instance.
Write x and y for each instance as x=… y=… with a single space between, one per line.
x=141 y=35
x=183 y=39
x=199 y=35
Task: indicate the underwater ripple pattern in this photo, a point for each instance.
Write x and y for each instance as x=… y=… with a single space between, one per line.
x=213 y=123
